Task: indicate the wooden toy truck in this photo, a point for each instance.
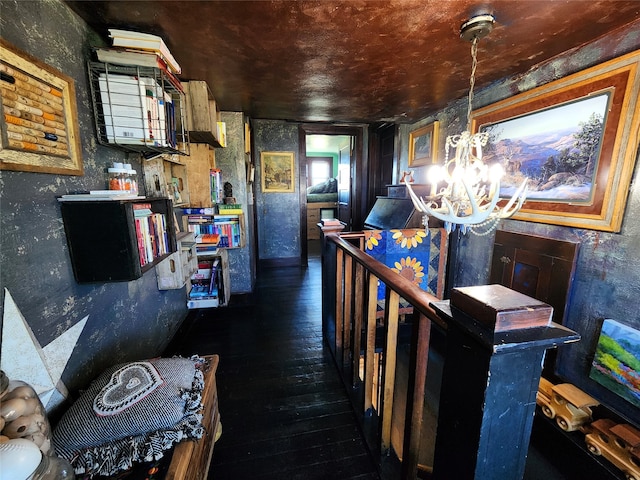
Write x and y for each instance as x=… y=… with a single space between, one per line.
x=617 y=442
x=569 y=405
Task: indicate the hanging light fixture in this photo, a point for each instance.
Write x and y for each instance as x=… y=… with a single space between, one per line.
x=465 y=191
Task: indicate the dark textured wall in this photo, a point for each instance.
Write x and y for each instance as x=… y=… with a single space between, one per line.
x=231 y=160
x=278 y=214
x=126 y=320
x=607 y=279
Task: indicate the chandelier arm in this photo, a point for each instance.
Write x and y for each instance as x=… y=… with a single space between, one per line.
x=418 y=203
x=521 y=195
x=444 y=213
x=476 y=211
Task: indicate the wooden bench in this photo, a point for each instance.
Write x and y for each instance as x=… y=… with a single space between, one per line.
x=191 y=459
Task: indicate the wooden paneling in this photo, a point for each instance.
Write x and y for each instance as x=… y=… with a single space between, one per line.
x=536 y=266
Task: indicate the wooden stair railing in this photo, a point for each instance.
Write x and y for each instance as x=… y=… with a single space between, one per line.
x=355 y=288
x=350 y=279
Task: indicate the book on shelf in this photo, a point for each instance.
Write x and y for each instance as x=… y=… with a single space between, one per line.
x=210 y=238
x=230 y=209
x=139 y=58
x=100 y=196
x=199 y=291
x=215 y=274
x=144 y=41
x=221 y=133
x=151 y=234
x=206 y=248
x=217 y=189
x=201 y=211
x=142 y=210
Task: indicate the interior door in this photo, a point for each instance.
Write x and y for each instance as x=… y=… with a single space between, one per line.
x=344 y=186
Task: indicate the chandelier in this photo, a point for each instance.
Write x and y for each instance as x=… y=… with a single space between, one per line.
x=465 y=191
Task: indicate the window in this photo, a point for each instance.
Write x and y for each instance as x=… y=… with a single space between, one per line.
x=319 y=170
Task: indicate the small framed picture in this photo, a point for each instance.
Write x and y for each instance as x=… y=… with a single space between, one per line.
x=277 y=172
x=423 y=145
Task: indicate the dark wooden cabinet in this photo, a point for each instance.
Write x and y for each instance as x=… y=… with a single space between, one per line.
x=103 y=241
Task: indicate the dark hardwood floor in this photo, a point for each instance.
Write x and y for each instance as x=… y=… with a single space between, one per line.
x=284 y=410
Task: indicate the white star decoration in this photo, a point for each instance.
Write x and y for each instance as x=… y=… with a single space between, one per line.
x=24 y=359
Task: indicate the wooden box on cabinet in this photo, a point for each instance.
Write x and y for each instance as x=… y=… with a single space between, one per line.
x=103 y=240
x=202 y=114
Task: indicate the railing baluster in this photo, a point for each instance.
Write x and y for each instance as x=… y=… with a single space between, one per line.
x=369 y=368
x=415 y=396
x=357 y=324
x=391 y=323
x=348 y=308
x=339 y=302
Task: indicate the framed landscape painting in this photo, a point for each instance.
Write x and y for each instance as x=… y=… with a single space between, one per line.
x=277 y=172
x=423 y=145
x=616 y=364
x=574 y=139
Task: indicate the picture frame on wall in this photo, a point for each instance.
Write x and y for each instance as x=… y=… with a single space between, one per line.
x=276 y=170
x=38 y=118
x=423 y=145
x=576 y=141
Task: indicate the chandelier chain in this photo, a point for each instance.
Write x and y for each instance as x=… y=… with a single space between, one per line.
x=465 y=191
x=472 y=79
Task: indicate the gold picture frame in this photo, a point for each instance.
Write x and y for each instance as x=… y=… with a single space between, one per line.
x=247 y=138
x=597 y=180
x=423 y=145
x=38 y=116
x=276 y=170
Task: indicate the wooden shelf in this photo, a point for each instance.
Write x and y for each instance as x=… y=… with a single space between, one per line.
x=103 y=240
x=202 y=115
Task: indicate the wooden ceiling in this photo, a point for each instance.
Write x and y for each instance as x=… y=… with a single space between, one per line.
x=355 y=61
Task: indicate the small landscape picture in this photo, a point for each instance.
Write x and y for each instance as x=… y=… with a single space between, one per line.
x=616 y=364
x=557 y=149
x=277 y=171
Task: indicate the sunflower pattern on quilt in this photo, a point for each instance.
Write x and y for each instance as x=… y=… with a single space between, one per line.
x=419 y=255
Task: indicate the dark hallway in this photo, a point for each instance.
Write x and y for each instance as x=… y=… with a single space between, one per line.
x=283 y=407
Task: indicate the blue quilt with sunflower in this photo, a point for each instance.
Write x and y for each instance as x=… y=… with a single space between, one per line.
x=419 y=255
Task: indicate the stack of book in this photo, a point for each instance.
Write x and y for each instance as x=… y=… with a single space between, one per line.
x=151 y=233
x=230 y=209
x=206 y=285
x=143 y=50
x=128 y=120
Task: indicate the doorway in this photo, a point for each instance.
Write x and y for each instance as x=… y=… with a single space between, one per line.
x=330 y=177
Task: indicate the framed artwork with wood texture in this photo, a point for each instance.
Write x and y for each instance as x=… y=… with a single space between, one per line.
x=38 y=119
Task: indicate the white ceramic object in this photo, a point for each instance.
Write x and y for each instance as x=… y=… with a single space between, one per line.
x=19 y=459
